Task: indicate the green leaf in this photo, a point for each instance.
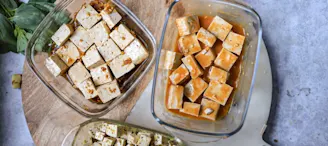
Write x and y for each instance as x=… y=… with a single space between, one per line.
x=21 y=40
x=50 y=1
x=7 y=37
x=28 y=17
x=45 y=7
x=7 y=7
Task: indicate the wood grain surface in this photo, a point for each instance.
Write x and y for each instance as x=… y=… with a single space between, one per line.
x=49 y=119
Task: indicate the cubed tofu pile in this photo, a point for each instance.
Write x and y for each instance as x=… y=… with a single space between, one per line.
x=108 y=134
x=197 y=74
x=96 y=53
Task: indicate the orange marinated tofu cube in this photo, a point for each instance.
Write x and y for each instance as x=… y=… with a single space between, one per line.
x=172 y=60
x=187 y=25
x=206 y=37
x=191 y=108
x=209 y=109
x=175 y=97
x=218 y=92
x=193 y=67
x=179 y=75
x=220 y=28
x=217 y=74
x=189 y=44
x=234 y=43
x=205 y=57
x=225 y=59
x=195 y=88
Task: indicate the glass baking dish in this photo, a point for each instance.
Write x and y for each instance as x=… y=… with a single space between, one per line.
x=235 y=12
x=60 y=86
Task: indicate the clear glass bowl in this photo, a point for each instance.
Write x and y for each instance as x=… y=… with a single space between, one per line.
x=63 y=13
x=235 y=12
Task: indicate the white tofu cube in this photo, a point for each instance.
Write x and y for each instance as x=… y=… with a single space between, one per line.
x=108 y=141
x=193 y=67
x=62 y=34
x=68 y=53
x=172 y=60
x=88 y=16
x=187 y=25
x=234 y=43
x=92 y=58
x=101 y=75
x=99 y=135
x=81 y=39
x=113 y=130
x=220 y=28
x=209 y=109
x=158 y=139
x=87 y=88
x=120 y=142
x=99 y=33
x=189 y=44
x=96 y=144
x=179 y=75
x=112 y=17
x=121 y=65
x=195 y=88
x=109 y=50
x=205 y=57
x=218 y=92
x=55 y=65
x=191 y=108
x=175 y=97
x=217 y=74
x=78 y=73
x=144 y=140
x=122 y=36
x=225 y=59
x=108 y=91
x=103 y=127
x=206 y=37
x=136 y=51
x=133 y=138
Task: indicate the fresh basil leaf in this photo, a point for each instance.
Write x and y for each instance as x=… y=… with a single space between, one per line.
x=28 y=17
x=45 y=7
x=21 y=40
x=7 y=37
x=7 y=7
x=50 y=1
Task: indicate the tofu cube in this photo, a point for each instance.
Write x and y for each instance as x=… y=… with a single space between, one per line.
x=120 y=142
x=108 y=91
x=109 y=50
x=220 y=28
x=129 y=144
x=99 y=33
x=205 y=57
x=206 y=37
x=78 y=73
x=101 y=75
x=87 y=88
x=195 y=88
x=187 y=25
x=55 y=65
x=132 y=138
x=217 y=74
x=209 y=109
x=175 y=97
x=145 y=133
x=88 y=16
x=113 y=130
x=179 y=75
x=122 y=36
x=68 y=53
x=193 y=67
x=108 y=141
x=103 y=127
x=218 y=92
x=225 y=59
x=112 y=17
x=81 y=39
x=172 y=60
x=92 y=58
x=62 y=34
x=158 y=139
x=99 y=135
x=234 y=43
x=136 y=51
x=144 y=140
x=121 y=65
x=191 y=108
x=189 y=44
x=97 y=144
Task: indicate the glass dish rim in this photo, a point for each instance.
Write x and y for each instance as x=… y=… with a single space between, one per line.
x=30 y=61
x=236 y=4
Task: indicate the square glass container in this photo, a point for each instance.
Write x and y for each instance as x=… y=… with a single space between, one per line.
x=235 y=12
x=60 y=86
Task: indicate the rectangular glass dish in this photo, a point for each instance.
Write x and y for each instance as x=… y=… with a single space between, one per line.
x=236 y=13
x=64 y=12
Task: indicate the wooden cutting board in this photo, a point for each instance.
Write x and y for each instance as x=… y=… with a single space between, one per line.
x=49 y=119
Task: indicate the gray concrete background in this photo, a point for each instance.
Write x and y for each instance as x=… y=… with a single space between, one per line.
x=295 y=33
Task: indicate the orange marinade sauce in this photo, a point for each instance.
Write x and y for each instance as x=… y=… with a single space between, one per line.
x=234 y=72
